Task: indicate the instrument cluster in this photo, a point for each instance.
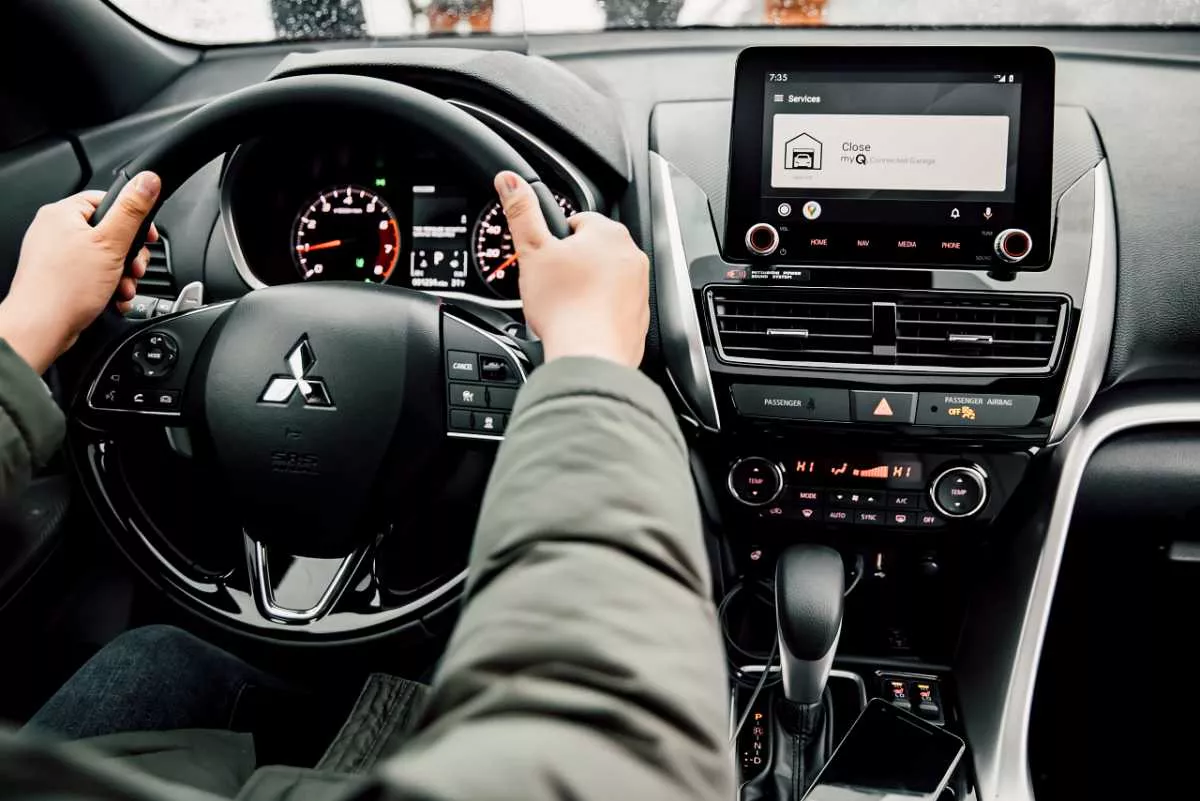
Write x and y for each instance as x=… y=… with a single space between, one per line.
x=383 y=209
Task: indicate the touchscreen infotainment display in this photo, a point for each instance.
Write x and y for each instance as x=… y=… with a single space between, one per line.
x=905 y=156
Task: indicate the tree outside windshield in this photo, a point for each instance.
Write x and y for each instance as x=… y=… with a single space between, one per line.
x=233 y=21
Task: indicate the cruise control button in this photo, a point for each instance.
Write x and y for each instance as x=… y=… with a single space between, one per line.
x=489 y=422
x=883 y=407
x=467 y=395
x=792 y=403
x=462 y=366
x=493 y=368
x=1001 y=411
x=501 y=398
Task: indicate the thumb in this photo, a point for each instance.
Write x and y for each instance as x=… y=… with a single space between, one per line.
x=524 y=214
x=135 y=202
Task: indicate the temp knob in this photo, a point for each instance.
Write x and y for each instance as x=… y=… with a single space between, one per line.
x=755 y=481
x=1013 y=245
x=762 y=239
x=960 y=491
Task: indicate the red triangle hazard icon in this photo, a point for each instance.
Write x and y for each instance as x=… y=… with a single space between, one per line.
x=883 y=409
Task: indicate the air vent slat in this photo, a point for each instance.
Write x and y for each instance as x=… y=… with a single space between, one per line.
x=929 y=332
x=159 y=280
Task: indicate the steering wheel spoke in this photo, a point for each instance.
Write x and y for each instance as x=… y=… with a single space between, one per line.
x=298 y=590
x=144 y=379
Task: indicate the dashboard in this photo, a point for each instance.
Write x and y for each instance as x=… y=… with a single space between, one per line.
x=379 y=207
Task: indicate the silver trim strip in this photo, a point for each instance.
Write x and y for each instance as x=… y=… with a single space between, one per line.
x=153 y=323
x=584 y=194
x=518 y=359
x=260 y=583
x=683 y=344
x=1063 y=314
x=1098 y=308
x=1000 y=738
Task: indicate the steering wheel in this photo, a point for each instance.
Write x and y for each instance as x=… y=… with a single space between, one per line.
x=316 y=416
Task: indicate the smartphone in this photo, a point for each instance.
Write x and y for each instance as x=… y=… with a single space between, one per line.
x=888 y=753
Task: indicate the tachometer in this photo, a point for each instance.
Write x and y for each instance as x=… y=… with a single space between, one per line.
x=495 y=256
x=347 y=234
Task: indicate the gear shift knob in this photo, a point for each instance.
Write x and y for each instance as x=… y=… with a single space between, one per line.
x=809 y=586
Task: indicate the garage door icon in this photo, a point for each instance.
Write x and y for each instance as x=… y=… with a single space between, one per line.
x=802 y=152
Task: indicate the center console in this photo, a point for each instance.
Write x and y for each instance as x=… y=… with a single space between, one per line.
x=888 y=303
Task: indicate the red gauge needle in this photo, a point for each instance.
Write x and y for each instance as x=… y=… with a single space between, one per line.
x=502 y=265
x=332 y=243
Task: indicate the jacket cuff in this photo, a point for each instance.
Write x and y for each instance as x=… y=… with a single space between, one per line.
x=588 y=375
x=26 y=399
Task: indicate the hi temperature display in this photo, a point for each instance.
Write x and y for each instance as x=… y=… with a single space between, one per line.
x=880 y=469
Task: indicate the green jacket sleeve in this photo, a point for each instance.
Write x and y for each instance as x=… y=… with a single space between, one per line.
x=588 y=662
x=31 y=424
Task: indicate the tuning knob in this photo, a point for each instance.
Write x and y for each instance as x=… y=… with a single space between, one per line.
x=960 y=491
x=1013 y=245
x=755 y=481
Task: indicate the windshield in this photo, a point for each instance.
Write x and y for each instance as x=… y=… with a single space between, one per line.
x=234 y=21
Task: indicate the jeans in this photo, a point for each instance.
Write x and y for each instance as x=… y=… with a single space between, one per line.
x=160 y=678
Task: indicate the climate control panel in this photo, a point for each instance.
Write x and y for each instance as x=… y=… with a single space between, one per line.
x=873 y=489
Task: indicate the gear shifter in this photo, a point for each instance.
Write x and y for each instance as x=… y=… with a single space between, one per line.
x=809 y=590
x=809 y=586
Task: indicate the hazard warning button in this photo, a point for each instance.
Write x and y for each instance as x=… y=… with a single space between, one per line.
x=884 y=407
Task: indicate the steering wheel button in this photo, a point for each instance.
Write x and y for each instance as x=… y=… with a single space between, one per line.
x=502 y=398
x=493 y=368
x=462 y=365
x=166 y=400
x=489 y=423
x=460 y=420
x=468 y=395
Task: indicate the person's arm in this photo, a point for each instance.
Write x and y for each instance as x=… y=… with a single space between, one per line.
x=588 y=662
x=67 y=273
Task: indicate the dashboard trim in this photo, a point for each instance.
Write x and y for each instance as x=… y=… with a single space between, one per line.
x=1097 y=311
x=683 y=343
x=997 y=691
x=579 y=185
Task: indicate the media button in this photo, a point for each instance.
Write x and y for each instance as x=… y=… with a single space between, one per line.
x=906 y=245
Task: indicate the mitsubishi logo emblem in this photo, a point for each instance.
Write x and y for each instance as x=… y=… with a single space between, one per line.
x=300 y=361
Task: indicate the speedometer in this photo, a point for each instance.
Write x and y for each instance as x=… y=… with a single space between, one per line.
x=495 y=256
x=347 y=234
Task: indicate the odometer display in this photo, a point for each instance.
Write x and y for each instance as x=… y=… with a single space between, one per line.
x=494 y=254
x=347 y=233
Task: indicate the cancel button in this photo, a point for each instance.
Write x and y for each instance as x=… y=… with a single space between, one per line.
x=962 y=409
x=792 y=403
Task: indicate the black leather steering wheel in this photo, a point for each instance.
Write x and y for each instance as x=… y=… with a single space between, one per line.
x=319 y=413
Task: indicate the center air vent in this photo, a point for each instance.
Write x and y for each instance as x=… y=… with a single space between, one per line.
x=886 y=331
x=159 y=280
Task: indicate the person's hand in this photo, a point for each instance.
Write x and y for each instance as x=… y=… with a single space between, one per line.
x=586 y=295
x=69 y=271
